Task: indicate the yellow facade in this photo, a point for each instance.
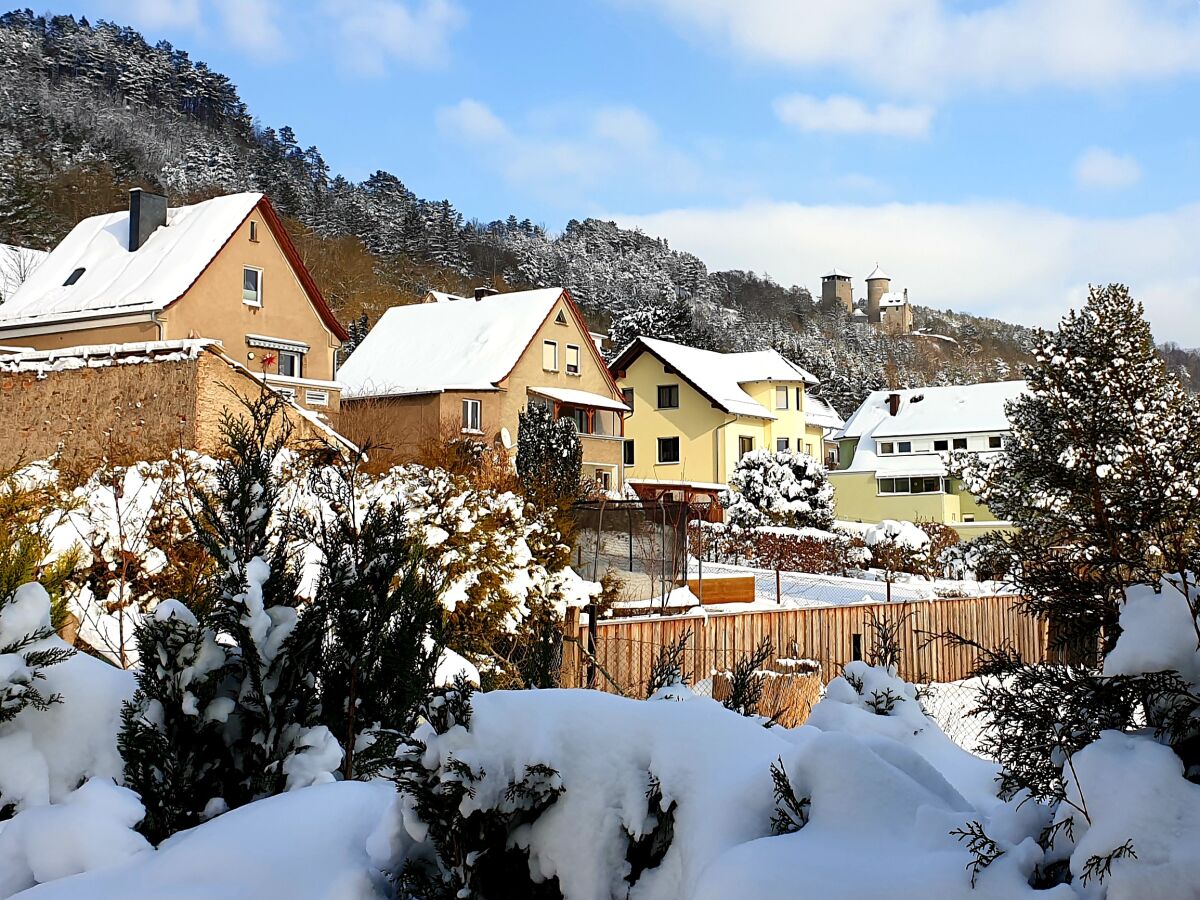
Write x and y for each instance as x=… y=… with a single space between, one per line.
x=857 y=499
x=711 y=441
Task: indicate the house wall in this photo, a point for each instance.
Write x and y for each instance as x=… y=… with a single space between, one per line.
x=856 y=498
x=213 y=306
x=393 y=428
x=599 y=453
x=112 y=334
x=701 y=429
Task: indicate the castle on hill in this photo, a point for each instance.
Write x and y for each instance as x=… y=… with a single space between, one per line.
x=884 y=309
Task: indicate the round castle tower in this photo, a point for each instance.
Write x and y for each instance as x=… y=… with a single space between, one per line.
x=878 y=284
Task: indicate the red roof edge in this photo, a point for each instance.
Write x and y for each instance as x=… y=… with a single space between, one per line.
x=306 y=280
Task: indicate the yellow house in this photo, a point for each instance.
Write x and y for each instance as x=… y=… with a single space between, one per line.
x=455 y=366
x=695 y=413
x=893 y=450
x=224 y=270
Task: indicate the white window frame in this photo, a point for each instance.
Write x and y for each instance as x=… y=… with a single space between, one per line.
x=256 y=301
x=954 y=443
x=900 y=446
x=552 y=346
x=316 y=397
x=782 y=444
x=472 y=416
x=298 y=372
x=781 y=393
x=678 y=451
x=578 y=360
x=945 y=449
x=742 y=439
x=605 y=479
x=999 y=439
x=887 y=448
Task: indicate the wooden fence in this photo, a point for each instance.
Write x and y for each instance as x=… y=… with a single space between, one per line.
x=625 y=650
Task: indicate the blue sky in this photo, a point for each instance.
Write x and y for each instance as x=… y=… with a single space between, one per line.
x=993 y=156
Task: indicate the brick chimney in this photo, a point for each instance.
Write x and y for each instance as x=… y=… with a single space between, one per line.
x=893 y=404
x=147 y=212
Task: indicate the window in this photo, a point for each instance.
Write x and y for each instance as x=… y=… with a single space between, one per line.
x=781 y=398
x=605 y=480
x=960 y=443
x=561 y=318
x=904 y=447
x=316 y=398
x=995 y=442
x=628 y=457
x=668 y=450
x=550 y=356
x=73 y=277
x=581 y=420
x=291 y=363
x=925 y=485
x=668 y=396
x=782 y=444
x=808 y=448
x=627 y=394
x=799 y=398
x=745 y=445
x=572 y=359
x=968 y=517
x=941 y=446
x=252 y=286
x=472 y=416
x=254 y=231
x=887 y=448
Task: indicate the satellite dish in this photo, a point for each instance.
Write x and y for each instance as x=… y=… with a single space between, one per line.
x=506 y=438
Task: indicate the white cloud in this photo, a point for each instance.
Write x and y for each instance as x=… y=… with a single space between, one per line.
x=565 y=153
x=253 y=25
x=377 y=33
x=1105 y=170
x=1018 y=263
x=840 y=114
x=933 y=47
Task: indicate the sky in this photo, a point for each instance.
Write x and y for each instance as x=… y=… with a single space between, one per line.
x=993 y=157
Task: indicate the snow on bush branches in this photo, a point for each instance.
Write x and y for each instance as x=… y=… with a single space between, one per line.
x=779 y=488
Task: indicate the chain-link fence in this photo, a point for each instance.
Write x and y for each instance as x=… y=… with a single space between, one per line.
x=643 y=541
x=950 y=704
x=801 y=589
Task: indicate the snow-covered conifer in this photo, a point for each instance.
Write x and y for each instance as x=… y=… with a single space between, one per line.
x=549 y=456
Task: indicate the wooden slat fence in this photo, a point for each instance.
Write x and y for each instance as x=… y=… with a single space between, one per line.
x=626 y=649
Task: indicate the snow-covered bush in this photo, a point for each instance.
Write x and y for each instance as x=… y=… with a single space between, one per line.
x=790 y=549
x=778 y=488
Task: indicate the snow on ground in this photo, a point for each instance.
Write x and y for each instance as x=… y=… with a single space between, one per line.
x=310 y=843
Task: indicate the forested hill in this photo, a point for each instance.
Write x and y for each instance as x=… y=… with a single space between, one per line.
x=86 y=111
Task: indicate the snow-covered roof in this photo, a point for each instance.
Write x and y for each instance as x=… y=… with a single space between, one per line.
x=116 y=281
x=720 y=376
x=430 y=347
x=953 y=409
x=443 y=297
x=818 y=412
x=579 y=398
x=92 y=356
x=879 y=274
x=893 y=298
x=836 y=273
x=859 y=313
x=16 y=265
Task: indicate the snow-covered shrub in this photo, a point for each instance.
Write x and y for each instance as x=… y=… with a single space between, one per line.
x=985 y=558
x=378 y=607
x=549 y=456
x=778 y=488
x=789 y=549
x=897 y=547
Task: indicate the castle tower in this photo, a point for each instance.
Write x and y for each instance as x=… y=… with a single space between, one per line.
x=878 y=284
x=835 y=285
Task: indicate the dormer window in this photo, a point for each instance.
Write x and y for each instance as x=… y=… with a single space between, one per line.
x=252 y=286
x=73 y=277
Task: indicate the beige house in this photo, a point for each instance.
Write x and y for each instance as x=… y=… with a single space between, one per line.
x=223 y=270
x=456 y=366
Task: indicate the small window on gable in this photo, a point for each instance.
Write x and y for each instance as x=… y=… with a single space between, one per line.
x=668 y=396
x=904 y=447
x=627 y=393
x=886 y=447
x=781 y=398
x=561 y=318
x=550 y=356
x=73 y=277
x=252 y=286
x=572 y=359
x=254 y=231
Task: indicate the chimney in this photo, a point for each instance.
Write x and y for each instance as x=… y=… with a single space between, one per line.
x=147 y=211
x=481 y=292
x=893 y=404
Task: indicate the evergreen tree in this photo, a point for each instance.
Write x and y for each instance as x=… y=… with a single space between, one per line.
x=549 y=456
x=1099 y=475
x=377 y=604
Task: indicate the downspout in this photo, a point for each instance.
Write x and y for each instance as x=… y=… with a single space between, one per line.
x=161 y=327
x=717 y=449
